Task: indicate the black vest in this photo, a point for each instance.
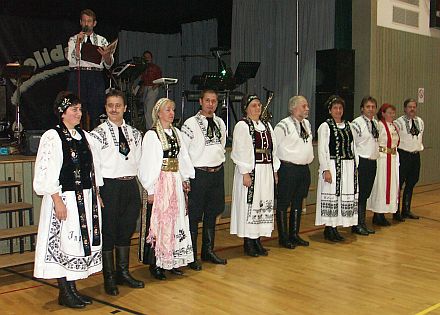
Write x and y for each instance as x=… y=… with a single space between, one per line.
x=341 y=144
x=67 y=179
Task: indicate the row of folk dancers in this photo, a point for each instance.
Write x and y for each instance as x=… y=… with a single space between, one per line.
x=91 y=199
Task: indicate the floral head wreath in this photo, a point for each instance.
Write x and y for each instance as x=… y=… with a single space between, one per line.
x=64 y=104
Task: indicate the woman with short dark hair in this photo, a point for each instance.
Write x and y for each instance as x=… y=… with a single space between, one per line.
x=336 y=203
x=69 y=231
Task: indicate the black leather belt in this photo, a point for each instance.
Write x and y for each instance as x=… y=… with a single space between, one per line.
x=210 y=169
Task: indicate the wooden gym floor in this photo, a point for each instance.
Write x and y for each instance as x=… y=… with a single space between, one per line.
x=395 y=271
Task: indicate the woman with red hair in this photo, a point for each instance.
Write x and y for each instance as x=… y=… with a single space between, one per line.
x=385 y=193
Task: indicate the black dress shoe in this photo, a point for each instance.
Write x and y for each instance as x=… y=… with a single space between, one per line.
x=397 y=217
x=176 y=271
x=195 y=265
x=359 y=229
x=157 y=273
x=338 y=236
x=410 y=215
x=329 y=234
x=370 y=231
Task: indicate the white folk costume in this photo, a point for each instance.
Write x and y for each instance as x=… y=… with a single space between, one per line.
x=70 y=248
x=164 y=165
x=295 y=151
x=253 y=152
x=205 y=138
x=411 y=144
x=385 y=193
x=336 y=203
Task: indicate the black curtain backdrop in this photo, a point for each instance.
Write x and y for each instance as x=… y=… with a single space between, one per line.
x=41 y=43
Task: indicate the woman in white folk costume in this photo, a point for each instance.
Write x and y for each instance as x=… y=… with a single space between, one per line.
x=164 y=172
x=385 y=193
x=69 y=232
x=256 y=166
x=336 y=203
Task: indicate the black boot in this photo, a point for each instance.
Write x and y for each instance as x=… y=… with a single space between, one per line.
x=283 y=238
x=384 y=220
x=208 y=238
x=108 y=271
x=360 y=227
x=329 y=234
x=260 y=249
x=397 y=217
x=123 y=275
x=338 y=236
x=249 y=247
x=378 y=219
x=157 y=272
x=406 y=206
x=87 y=300
x=66 y=296
x=195 y=265
x=295 y=223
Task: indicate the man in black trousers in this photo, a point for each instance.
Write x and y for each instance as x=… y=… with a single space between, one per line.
x=411 y=129
x=205 y=136
x=295 y=151
x=365 y=135
x=120 y=148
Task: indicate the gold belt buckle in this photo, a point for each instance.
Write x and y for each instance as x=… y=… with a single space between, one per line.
x=170 y=165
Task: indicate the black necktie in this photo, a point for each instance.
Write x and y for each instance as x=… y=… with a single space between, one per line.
x=374 y=131
x=211 y=130
x=304 y=135
x=88 y=40
x=124 y=148
x=414 y=131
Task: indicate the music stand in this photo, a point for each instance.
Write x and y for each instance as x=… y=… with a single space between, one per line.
x=20 y=73
x=246 y=70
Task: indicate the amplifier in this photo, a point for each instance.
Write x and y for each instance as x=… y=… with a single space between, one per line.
x=234 y=96
x=31 y=141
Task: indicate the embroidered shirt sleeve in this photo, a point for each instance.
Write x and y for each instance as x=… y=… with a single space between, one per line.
x=187 y=131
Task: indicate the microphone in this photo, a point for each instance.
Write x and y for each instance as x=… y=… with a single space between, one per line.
x=85 y=29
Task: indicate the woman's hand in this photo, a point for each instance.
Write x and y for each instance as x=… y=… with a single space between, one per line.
x=327 y=176
x=60 y=210
x=275 y=177
x=247 y=180
x=150 y=199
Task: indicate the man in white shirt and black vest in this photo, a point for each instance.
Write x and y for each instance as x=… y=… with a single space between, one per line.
x=295 y=151
x=205 y=137
x=119 y=146
x=365 y=135
x=411 y=128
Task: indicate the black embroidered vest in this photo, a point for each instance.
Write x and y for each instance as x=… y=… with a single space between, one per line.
x=340 y=144
x=67 y=178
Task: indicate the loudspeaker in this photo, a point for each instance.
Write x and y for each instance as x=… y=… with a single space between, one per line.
x=2 y=102
x=31 y=141
x=321 y=110
x=335 y=70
